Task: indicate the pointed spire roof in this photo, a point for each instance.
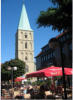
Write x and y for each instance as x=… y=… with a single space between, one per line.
x=24 y=22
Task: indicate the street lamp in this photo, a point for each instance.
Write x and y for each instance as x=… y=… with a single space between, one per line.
x=54 y=43
x=12 y=69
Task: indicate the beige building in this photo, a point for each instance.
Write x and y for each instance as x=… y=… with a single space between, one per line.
x=24 y=42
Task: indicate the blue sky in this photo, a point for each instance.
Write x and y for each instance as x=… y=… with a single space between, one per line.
x=10 y=14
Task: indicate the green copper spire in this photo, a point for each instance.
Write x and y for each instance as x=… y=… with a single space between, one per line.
x=24 y=22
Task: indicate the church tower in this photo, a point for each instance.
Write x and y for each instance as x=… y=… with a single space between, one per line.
x=24 y=42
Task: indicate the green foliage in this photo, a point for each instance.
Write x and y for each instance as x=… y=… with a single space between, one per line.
x=38 y=83
x=59 y=17
x=43 y=82
x=6 y=75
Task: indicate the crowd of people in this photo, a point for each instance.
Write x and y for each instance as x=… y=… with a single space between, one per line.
x=29 y=91
x=33 y=92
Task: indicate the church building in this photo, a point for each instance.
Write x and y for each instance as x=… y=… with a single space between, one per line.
x=24 y=42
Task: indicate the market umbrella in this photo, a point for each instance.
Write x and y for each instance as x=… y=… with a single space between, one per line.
x=50 y=71
x=68 y=71
x=57 y=71
x=19 y=79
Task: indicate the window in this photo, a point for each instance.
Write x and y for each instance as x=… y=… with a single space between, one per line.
x=31 y=56
x=70 y=46
x=42 y=59
x=21 y=32
x=26 y=68
x=30 y=33
x=26 y=53
x=67 y=36
x=25 y=36
x=53 y=53
x=21 y=52
x=21 y=42
x=63 y=50
x=48 y=56
x=63 y=38
x=30 y=36
x=30 y=45
x=26 y=58
x=26 y=45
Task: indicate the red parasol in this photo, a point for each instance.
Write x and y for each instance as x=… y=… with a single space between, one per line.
x=50 y=71
x=19 y=79
x=68 y=71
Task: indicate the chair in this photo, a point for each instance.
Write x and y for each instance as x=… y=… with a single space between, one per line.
x=27 y=96
x=48 y=93
x=16 y=93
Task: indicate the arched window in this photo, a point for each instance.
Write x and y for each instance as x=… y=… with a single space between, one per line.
x=26 y=45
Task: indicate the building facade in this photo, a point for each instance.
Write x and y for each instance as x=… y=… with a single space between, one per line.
x=24 y=42
x=49 y=56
